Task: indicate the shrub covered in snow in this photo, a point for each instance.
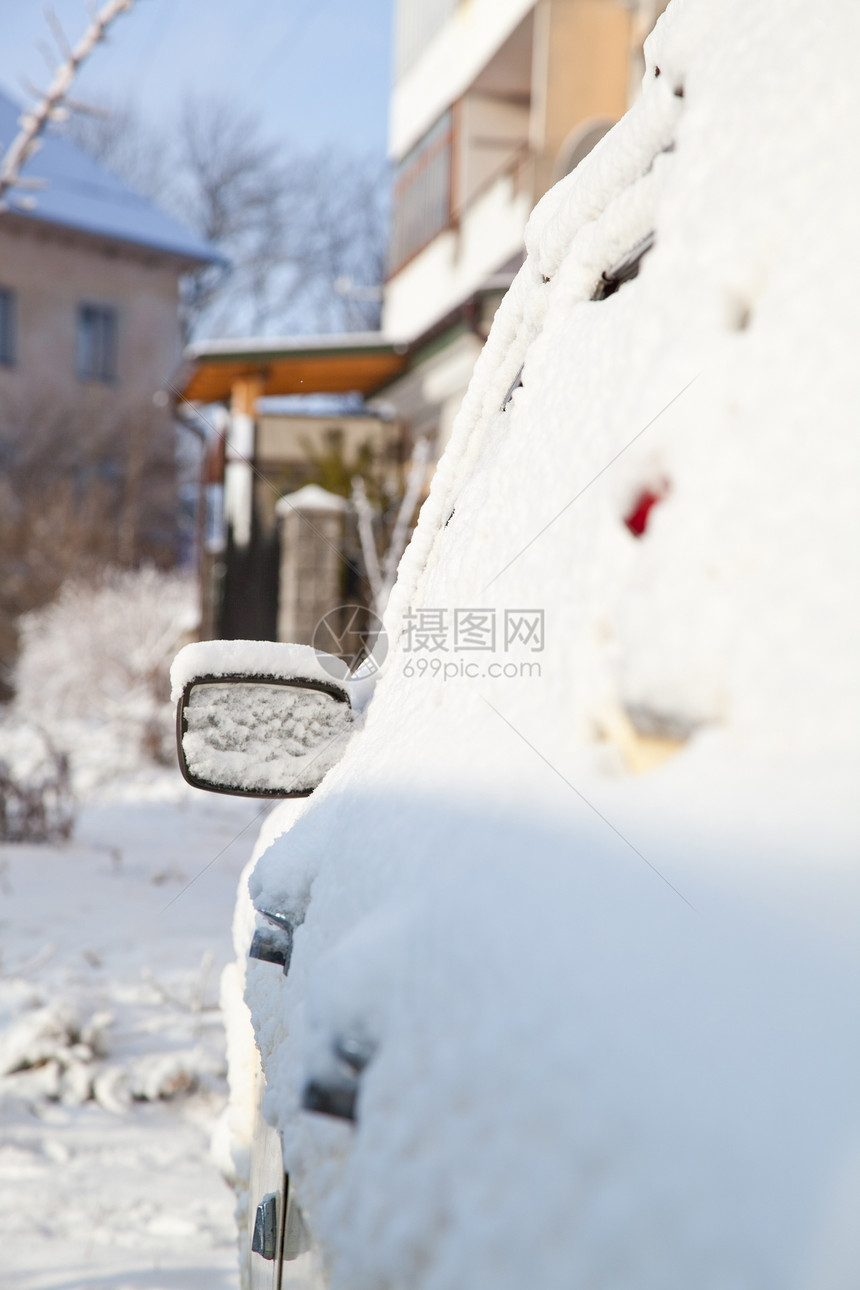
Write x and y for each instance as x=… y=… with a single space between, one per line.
x=36 y=802
x=93 y=672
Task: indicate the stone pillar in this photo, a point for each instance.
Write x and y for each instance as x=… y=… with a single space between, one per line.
x=311 y=576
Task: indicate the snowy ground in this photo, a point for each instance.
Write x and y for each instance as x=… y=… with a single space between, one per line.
x=112 y=1048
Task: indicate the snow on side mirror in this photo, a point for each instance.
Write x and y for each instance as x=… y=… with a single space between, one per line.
x=258 y=719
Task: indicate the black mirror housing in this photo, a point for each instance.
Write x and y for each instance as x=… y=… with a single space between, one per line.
x=254 y=732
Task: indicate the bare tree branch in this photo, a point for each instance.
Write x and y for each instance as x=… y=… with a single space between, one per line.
x=364 y=515
x=298 y=229
x=115 y=136
x=51 y=105
x=381 y=578
x=415 y=482
x=66 y=51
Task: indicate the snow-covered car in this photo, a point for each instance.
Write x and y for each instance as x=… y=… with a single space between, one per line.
x=571 y=927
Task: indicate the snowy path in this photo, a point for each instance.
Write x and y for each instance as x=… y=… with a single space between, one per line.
x=109 y=1003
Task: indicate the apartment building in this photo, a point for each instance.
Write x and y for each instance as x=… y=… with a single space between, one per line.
x=493 y=101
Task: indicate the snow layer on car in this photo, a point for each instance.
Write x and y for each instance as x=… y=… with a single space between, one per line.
x=263 y=737
x=614 y=1016
x=246 y=658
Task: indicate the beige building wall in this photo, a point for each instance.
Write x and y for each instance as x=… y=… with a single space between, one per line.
x=53 y=272
x=97 y=457
x=581 y=62
x=288 y=451
x=285 y=438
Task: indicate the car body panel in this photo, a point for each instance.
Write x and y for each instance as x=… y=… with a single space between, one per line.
x=599 y=919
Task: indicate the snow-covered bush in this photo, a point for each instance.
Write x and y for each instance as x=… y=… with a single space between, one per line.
x=93 y=671
x=36 y=800
x=57 y=1052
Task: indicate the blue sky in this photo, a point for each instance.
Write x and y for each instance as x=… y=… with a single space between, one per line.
x=316 y=71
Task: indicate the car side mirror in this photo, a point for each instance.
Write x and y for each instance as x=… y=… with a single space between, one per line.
x=258 y=719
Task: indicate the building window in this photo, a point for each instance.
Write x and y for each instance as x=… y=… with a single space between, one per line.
x=422 y=193
x=97 y=343
x=7 y=327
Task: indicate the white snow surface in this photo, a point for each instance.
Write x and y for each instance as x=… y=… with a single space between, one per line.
x=264 y=737
x=248 y=658
x=615 y=1014
x=112 y=1055
x=310 y=498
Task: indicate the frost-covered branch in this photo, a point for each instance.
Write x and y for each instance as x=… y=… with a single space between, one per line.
x=51 y=106
x=415 y=480
x=364 y=515
x=381 y=578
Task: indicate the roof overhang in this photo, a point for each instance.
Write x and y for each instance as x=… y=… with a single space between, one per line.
x=361 y=362
x=36 y=225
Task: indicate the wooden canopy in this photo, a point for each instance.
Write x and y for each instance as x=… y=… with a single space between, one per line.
x=361 y=362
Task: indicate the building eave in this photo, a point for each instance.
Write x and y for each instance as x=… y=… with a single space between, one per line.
x=35 y=225
x=355 y=362
x=362 y=362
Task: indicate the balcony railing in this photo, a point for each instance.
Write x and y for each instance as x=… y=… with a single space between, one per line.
x=422 y=194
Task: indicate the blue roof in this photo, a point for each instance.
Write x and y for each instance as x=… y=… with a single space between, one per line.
x=82 y=194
